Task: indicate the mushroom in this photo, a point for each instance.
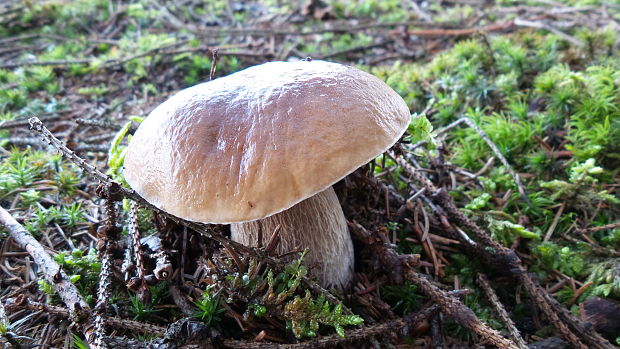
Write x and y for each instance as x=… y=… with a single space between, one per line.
x=262 y=147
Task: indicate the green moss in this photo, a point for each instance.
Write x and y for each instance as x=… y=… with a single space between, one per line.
x=83 y=268
x=381 y=10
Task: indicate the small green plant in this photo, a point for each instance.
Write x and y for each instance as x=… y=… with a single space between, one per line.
x=403 y=299
x=611 y=239
x=46 y=287
x=563 y=258
x=503 y=226
x=9 y=331
x=479 y=202
x=141 y=311
x=605 y=278
x=197 y=67
x=382 y=11
x=580 y=190
x=282 y=293
x=16 y=172
x=208 y=307
x=420 y=129
x=117 y=151
x=73 y=214
x=95 y=91
x=305 y=314
x=83 y=269
x=148 y=311
x=12 y=99
x=39 y=78
x=78 y=343
x=30 y=197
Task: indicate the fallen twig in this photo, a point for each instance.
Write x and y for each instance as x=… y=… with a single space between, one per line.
x=21 y=302
x=550 y=28
x=214 y=57
x=499 y=257
x=78 y=308
x=595 y=229
x=356 y=335
x=137 y=284
x=25 y=121
x=290 y=31
x=401 y=267
x=462 y=31
x=554 y=224
x=165 y=50
x=501 y=311
x=107 y=238
x=500 y=156
x=354 y=49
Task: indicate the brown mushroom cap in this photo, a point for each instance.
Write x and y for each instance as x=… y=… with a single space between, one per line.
x=254 y=143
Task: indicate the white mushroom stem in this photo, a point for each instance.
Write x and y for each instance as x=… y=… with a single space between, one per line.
x=317 y=224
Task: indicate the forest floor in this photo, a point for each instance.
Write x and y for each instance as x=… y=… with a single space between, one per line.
x=511 y=208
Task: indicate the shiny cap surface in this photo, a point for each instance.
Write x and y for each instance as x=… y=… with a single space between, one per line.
x=254 y=143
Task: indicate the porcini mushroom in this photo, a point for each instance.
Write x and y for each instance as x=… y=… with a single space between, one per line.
x=262 y=147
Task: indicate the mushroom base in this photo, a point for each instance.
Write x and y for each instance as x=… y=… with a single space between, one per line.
x=317 y=224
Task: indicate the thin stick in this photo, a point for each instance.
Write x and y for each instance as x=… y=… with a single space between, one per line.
x=103 y=294
x=397 y=325
x=499 y=308
x=214 y=56
x=403 y=324
x=25 y=121
x=166 y=50
x=602 y=227
x=449 y=305
x=500 y=156
x=579 y=292
x=105 y=243
x=21 y=302
x=78 y=308
x=135 y=238
x=462 y=32
x=547 y=27
x=554 y=224
x=454 y=308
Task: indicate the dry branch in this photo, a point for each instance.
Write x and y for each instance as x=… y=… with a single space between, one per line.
x=105 y=245
x=550 y=28
x=499 y=308
x=571 y=328
x=164 y=50
x=395 y=326
x=401 y=266
x=462 y=31
x=602 y=227
x=78 y=308
x=25 y=121
x=496 y=256
x=21 y=302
